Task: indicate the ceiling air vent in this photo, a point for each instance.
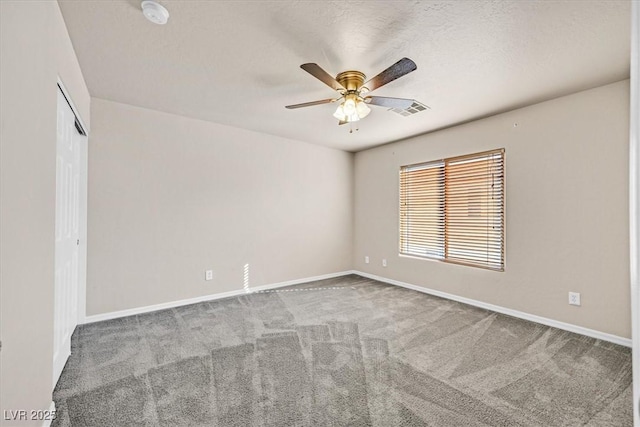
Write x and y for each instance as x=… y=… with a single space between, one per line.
x=415 y=108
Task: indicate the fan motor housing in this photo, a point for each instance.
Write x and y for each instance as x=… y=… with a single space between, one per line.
x=351 y=80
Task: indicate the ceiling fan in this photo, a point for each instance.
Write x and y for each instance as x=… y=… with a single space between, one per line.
x=352 y=89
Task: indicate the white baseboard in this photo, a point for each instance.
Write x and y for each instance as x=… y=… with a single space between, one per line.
x=498 y=309
x=211 y=297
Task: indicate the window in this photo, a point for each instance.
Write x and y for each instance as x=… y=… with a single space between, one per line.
x=453 y=210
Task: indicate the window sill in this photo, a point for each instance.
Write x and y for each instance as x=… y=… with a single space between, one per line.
x=448 y=261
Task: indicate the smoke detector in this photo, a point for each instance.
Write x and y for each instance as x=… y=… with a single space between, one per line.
x=155 y=12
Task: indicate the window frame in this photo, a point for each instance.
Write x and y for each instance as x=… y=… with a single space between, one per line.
x=443 y=162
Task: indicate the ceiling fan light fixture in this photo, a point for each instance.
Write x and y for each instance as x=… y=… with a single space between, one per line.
x=343 y=117
x=352 y=109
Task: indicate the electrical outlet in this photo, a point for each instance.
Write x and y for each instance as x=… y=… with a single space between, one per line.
x=574 y=298
x=366 y=260
x=384 y=262
x=208 y=275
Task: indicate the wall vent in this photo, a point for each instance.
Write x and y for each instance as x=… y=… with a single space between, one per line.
x=415 y=108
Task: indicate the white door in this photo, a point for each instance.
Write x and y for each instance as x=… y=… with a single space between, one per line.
x=67 y=238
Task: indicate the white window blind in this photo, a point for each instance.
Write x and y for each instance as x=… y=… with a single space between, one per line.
x=453 y=210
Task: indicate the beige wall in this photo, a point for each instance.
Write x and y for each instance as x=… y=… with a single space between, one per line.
x=35 y=49
x=566 y=209
x=170 y=197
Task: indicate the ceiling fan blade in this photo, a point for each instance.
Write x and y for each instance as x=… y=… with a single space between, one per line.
x=397 y=70
x=342 y=122
x=322 y=75
x=310 y=104
x=383 y=101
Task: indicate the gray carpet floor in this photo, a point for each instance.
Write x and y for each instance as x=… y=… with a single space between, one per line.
x=341 y=352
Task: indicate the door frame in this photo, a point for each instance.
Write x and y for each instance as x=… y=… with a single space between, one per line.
x=84 y=174
x=82 y=214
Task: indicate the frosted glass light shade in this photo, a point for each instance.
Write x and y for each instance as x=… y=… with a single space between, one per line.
x=349 y=107
x=351 y=110
x=362 y=109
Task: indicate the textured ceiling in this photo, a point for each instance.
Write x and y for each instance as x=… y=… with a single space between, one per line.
x=237 y=63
